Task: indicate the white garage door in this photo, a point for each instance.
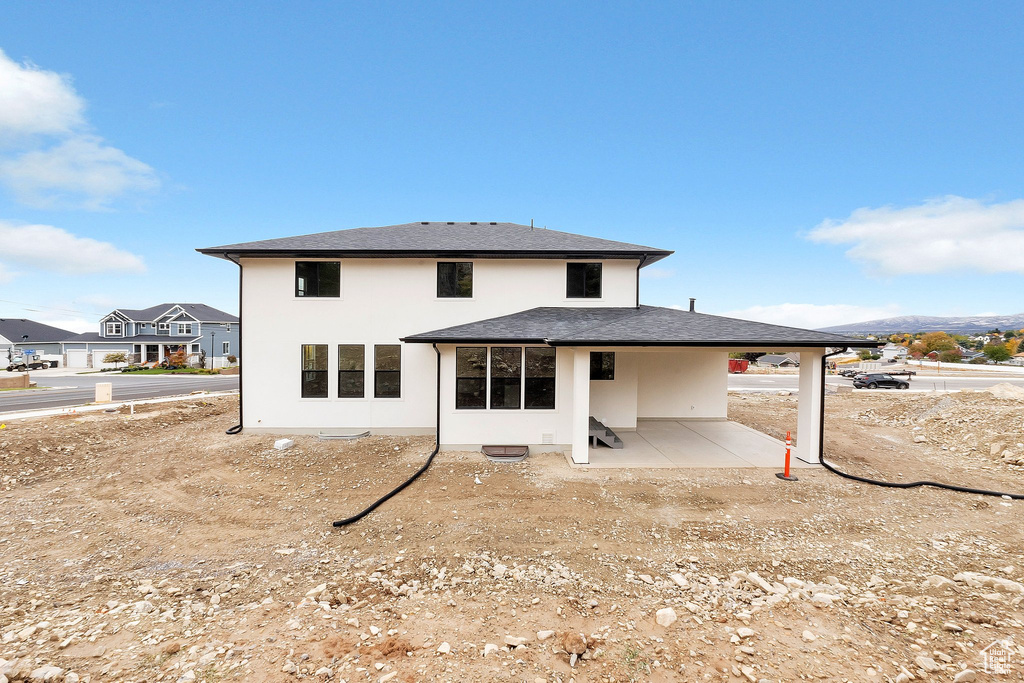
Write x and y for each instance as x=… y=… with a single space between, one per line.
x=77 y=358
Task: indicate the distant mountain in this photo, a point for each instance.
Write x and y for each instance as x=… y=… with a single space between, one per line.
x=928 y=323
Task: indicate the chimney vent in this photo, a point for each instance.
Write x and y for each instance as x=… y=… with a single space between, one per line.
x=451 y=222
x=692 y=302
x=472 y=222
x=493 y=223
x=424 y=222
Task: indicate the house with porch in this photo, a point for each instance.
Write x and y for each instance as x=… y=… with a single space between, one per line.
x=150 y=335
x=486 y=333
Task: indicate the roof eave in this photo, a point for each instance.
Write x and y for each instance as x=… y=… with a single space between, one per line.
x=648 y=257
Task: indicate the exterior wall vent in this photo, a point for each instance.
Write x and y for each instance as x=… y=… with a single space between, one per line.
x=547 y=437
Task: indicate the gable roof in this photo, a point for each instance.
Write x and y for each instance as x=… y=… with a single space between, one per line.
x=443 y=239
x=643 y=326
x=200 y=312
x=13 y=329
x=778 y=358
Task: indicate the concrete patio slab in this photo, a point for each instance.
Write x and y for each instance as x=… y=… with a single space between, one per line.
x=693 y=444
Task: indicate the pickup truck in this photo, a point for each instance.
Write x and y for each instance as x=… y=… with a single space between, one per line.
x=21 y=363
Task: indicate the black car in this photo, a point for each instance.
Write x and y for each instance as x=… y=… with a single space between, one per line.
x=879 y=381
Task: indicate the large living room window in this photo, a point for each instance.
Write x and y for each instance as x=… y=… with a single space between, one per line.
x=314 y=371
x=506 y=376
x=317 y=278
x=583 y=280
x=387 y=371
x=454 y=280
x=471 y=377
x=351 y=375
x=540 y=378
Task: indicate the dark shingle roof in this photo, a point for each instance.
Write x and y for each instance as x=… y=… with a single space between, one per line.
x=140 y=339
x=643 y=326
x=200 y=312
x=444 y=239
x=13 y=329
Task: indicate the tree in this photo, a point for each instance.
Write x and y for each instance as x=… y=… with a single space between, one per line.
x=115 y=358
x=951 y=356
x=864 y=354
x=996 y=352
x=938 y=341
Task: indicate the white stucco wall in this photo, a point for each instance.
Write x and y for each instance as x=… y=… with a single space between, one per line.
x=381 y=301
x=614 y=402
x=691 y=383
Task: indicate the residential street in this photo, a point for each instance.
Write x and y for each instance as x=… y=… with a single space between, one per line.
x=930 y=382
x=71 y=389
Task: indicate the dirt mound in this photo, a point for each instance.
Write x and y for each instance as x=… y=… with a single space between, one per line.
x=1010 y=391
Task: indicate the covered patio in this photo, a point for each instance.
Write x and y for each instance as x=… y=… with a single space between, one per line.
x=692 y=444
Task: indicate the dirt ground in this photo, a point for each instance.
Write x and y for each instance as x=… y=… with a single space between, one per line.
x=155 y=547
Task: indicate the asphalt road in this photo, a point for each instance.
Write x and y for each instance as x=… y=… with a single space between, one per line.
x=918 y=382
x=74 y=390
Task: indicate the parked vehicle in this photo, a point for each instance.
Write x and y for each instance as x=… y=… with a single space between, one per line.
x=21 y=363
x=877 y=381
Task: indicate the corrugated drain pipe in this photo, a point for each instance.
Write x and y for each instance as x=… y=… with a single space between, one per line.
x=878 y=482
x=437 y=446
x=238 y=427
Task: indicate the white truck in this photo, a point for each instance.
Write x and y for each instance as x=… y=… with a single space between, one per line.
x=22 y=362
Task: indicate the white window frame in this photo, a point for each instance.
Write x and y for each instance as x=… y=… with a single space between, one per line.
x=160 y=327
x=225 y=348
x=184 y=328
x=114 y=328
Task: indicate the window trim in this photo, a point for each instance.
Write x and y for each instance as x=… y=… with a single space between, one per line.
x=117 y=325
x=437 y=277
x=401 y=359
x=295 y=280
x=600 y=285
x=183 y=328
x=225 y=348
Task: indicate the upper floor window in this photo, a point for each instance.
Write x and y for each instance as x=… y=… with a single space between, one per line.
x=583 y=280
x=454 y=280
x=115 y=329
x=317 y=278
x=163 y=328
x=184 y=328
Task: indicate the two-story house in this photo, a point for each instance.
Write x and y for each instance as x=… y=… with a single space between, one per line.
x=150 y=335
x=484 y=333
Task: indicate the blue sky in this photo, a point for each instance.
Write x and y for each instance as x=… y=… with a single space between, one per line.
x=810 y=163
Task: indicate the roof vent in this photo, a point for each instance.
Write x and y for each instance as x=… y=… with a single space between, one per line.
x=493 y=223
x=424 y=222
x=692 y=302
x=451 y=222
x=472 y=222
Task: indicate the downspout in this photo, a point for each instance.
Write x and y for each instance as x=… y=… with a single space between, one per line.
x=643 y=259
x=238 y=427
x=887 y=484
x=437 y=446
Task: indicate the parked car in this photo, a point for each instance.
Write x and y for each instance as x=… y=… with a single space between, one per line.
x=877 y=381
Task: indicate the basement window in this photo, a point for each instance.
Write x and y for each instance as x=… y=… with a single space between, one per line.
x=314 y=371
x=470 y=377
x=583 y=280
x=317 y=278
x=602 y=365
x=506 y=377
x=387 y=371
x=351 y=374
x=540 y=378
x=454 y=280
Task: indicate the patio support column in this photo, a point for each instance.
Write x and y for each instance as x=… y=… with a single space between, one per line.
x=581 y=406
x=809 y=406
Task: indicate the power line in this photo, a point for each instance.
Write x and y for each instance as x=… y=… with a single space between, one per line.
x=50 y=308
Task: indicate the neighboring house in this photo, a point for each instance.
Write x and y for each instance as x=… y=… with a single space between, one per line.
x=151 y=334
x=967 y=355
x=779 y=360
x=895 y=352
x=18 y=335
x=485 y=333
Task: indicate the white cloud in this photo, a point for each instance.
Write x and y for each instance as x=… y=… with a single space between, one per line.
x=78 y=325
x=944 y=234
x=33 y=101
x=81 y=171
x=50 y=156
x=49 y=248
x=5 y=274
x=814 y=316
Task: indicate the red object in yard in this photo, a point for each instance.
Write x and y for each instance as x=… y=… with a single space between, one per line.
x=738 y=365
x=785 y=475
